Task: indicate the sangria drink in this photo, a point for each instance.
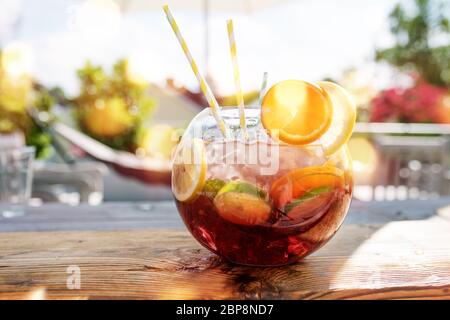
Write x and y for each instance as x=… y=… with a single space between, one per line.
x=278 y=193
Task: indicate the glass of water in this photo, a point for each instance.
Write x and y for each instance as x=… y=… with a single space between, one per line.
x=16 y=175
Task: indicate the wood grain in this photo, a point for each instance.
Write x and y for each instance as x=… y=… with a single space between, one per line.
x=397 y=260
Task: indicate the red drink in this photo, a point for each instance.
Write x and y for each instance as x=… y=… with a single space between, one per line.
x=277 y=242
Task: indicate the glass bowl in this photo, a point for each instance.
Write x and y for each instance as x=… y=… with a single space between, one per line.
x=258 y=201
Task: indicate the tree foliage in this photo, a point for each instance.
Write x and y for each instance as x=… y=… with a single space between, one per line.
x=422 y=40
x=16 y=94
x=111 y=107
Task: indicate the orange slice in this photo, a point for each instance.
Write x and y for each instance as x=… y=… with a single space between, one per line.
x=297 y=183
x=344 y=117
x=296 y=112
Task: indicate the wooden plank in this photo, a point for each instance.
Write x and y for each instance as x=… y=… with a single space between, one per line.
x=163 y=214
x=107 y=216
x=397 y=260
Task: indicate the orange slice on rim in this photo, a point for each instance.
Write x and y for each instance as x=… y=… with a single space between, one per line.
x=344 y=118
x=296 y=112
x=299 y=182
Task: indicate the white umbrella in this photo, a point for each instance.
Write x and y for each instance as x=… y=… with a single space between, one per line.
x=206 y=6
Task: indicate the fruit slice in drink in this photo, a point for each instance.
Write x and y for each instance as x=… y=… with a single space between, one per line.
x=294 y=192
x=310 y=204
x=189 y=169
x=212 y=187
x=242 y=203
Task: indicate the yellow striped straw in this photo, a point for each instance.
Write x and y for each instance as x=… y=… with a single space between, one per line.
x=203 y=85
x=237 y=78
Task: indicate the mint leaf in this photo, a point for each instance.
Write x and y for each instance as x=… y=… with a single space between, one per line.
x=307 y=196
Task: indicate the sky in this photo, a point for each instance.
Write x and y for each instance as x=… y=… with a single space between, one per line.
x=303 y=39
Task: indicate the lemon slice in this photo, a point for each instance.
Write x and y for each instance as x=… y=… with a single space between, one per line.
x=296 y=112
x=189 y=169
x=344 y=117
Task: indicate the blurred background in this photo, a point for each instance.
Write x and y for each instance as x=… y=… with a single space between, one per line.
x=102 y=90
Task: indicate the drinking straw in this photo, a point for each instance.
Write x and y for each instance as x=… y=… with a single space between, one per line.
x=203 y=85
x=237 y=78
x=263 y=89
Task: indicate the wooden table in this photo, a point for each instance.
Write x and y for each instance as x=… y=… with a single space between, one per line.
x=385 y=250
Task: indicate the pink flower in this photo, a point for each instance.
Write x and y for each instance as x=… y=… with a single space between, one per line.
x=420 y=103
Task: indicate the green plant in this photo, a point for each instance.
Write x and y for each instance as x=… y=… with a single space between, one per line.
x=111 y=107
x=422 y=38
x=16 y=94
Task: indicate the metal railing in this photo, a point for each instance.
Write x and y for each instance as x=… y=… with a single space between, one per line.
x=413 y=163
